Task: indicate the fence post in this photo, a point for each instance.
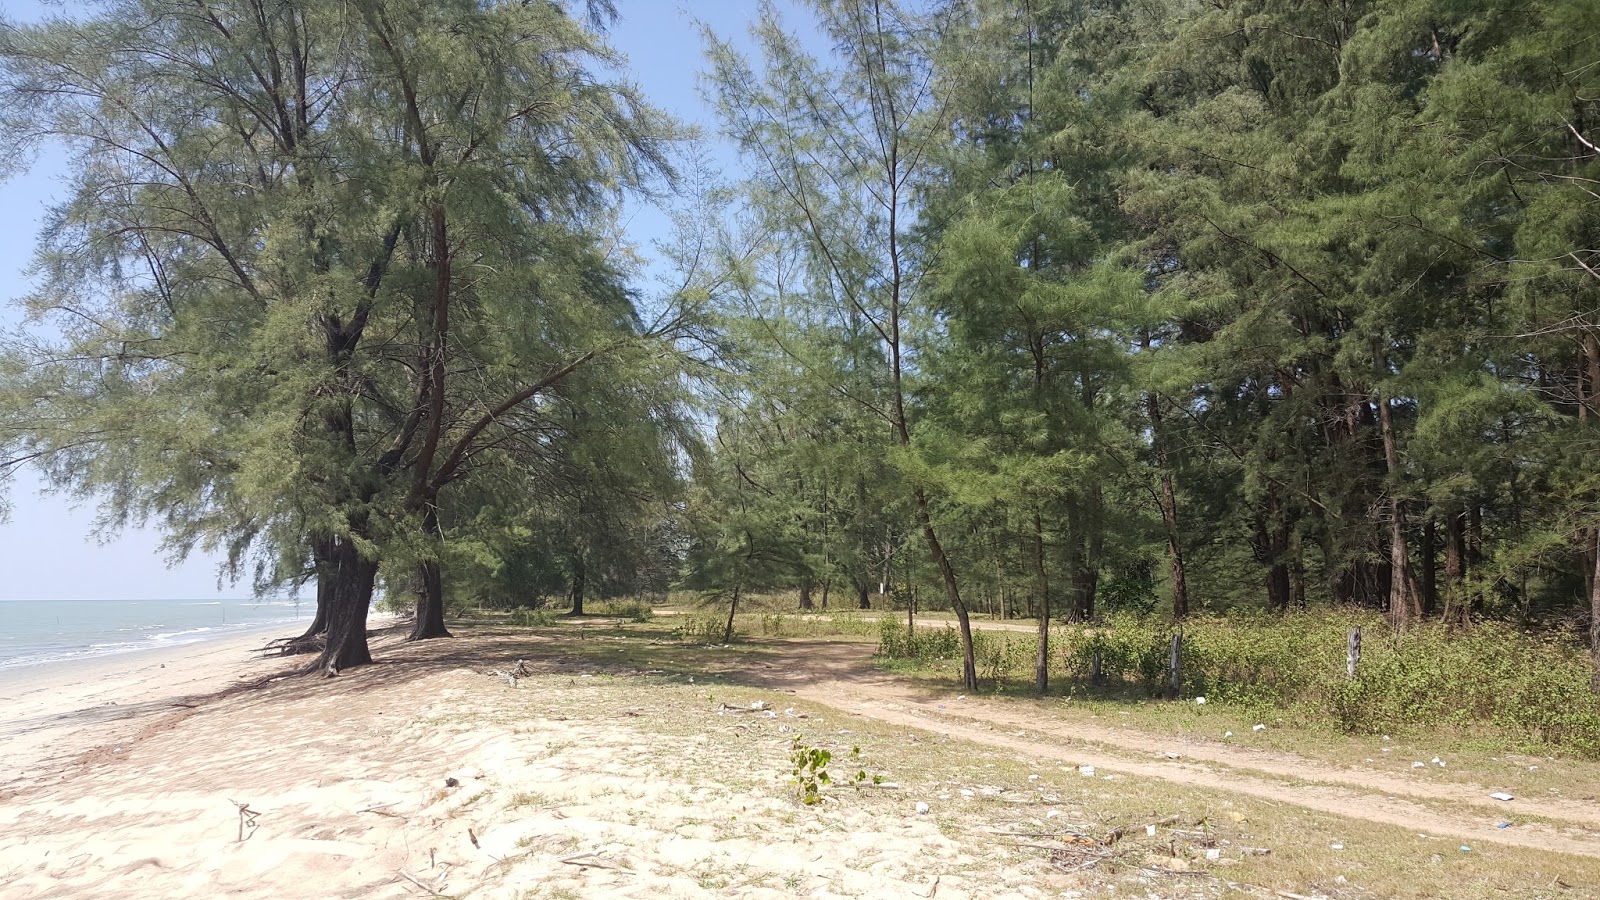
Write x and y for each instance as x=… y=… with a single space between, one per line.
x=1352 y=653
x=1177 y=661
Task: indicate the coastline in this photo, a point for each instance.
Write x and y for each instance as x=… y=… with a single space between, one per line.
x=51 y=711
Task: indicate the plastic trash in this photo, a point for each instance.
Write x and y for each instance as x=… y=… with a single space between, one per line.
x=1086 y=771
x=1504 y=825
x=1419 y=765
x=1336 y=846
x=1213 y=854
x=1199 y=701
x=1150 y=830
x=922 y=808
x=1227 y=734
x=1502 y=796
x=1052 y=814
x=1465 y=849
x=1259 y=728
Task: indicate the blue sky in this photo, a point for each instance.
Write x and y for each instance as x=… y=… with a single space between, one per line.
x=47 y=550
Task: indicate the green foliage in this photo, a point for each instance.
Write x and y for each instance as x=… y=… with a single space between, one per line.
x=817 y=624
x=532 y=618
x=811 y=770
x=1531 y=686
x=701 y=628
x=633 y=610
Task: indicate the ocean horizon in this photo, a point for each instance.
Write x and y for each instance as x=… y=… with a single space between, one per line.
x=33 y=632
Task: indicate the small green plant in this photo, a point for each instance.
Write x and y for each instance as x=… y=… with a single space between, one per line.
x=811 y=770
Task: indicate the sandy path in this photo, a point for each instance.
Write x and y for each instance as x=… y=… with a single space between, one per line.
x=841 y=675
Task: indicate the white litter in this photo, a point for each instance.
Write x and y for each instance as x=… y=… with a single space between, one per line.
x=922 y=808
x=1336 y=846
x=1418 y=765
x=967 y=793
x=1227 y=734
x=1052 y=814
x=1213 y=854
x=1259 y=728
x=1086 y=771
x=1199 y=701
x=1502 y=796
x=1150 y=830
x=1033 y=778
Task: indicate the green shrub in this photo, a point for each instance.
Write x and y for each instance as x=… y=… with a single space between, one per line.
x=702 y=628
x=532 y=618
x=631 y=609
x=1532 y=687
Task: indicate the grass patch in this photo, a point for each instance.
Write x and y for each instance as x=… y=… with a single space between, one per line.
x=1530 y=689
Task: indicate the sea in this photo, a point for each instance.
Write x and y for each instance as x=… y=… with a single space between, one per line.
x=41 y=631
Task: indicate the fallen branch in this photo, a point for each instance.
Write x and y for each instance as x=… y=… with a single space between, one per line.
x=247 y=819
x=418 y=883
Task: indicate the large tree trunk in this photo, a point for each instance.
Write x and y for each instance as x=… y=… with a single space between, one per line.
x=350 y=596
x=863 y=595
x=322 y=564
x=429 y=620
x=806 y=588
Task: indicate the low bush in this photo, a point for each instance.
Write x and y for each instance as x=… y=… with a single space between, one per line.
x=1534 y=687
x=703 y=628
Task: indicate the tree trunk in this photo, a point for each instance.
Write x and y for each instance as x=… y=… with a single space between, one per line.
x=727 y=630
x=969 y=661
x=579 y=582
x=1041 y=663
x=350 y=596
x=1594 y=627
x=863 y=595
x=827 y=585
x=322 y=563
x=1169 y=505
x=1430 y=566
x=429 y=620
x=1399 y=563
x=805 y=593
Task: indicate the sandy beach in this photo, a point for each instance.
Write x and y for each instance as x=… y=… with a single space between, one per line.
x=195 y=773
x=53 y=712
x=620 y=763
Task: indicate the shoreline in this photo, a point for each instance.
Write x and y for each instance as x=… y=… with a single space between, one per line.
x=53 y=711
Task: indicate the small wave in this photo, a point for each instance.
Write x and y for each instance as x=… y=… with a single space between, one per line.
x=170 y=635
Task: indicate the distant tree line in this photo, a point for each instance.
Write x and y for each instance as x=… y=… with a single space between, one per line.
x=1171 y=305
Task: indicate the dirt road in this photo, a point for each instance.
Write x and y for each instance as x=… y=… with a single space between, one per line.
x=841 y=675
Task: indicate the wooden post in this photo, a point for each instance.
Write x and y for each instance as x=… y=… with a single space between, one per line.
x=1177 y=661
x=1352 y=653
x=1095 y=676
